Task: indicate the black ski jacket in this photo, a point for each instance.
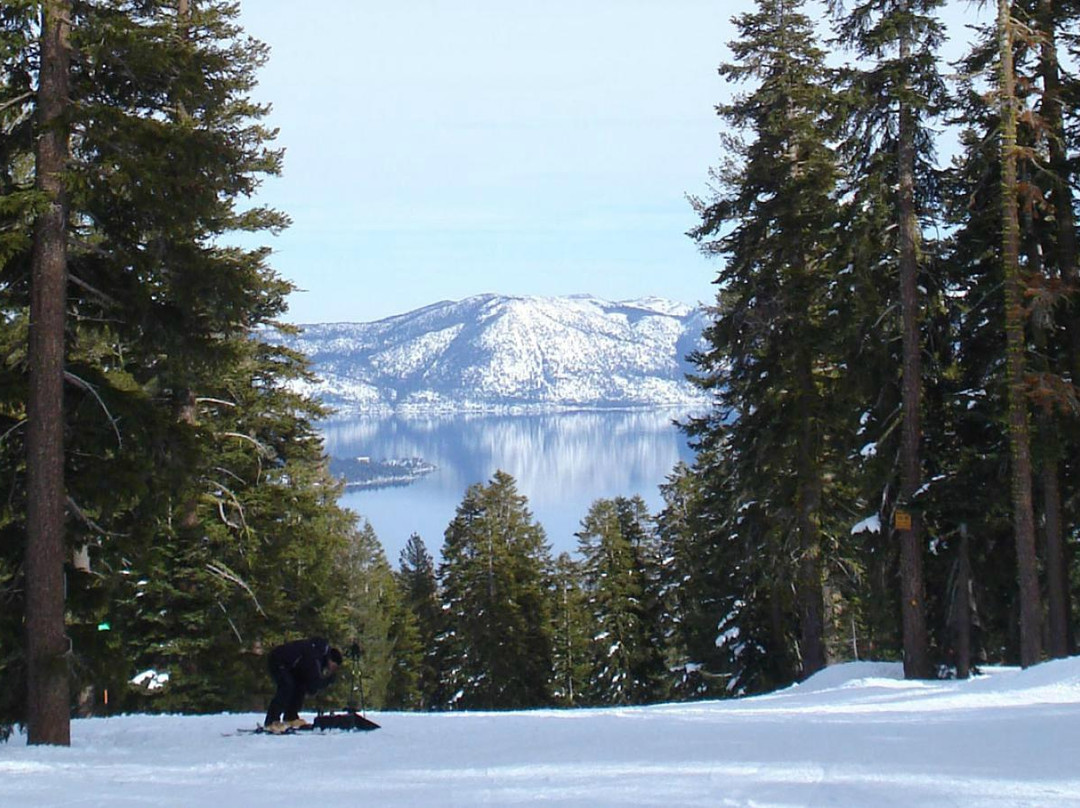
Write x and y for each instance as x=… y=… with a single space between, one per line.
x=306 y=660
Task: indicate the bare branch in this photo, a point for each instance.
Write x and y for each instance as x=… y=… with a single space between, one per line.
x=264 y=450
x=17 y=425
x=232 y=625
x=236 y=504
x=75 y=279
x=80 y=514
x=226 y=574
x=16 y=101
x=230 y=473
x=85 y=385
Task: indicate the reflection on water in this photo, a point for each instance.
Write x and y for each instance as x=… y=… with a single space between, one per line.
x=562 y=462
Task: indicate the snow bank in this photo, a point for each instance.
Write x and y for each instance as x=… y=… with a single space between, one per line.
x=851 y=674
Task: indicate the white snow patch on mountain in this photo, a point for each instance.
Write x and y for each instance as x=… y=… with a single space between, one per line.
x=502 y=353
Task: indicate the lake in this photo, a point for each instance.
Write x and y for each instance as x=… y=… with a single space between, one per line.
x=563 y=462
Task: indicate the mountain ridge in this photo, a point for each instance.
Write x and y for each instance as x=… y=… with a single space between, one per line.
x=508 y=353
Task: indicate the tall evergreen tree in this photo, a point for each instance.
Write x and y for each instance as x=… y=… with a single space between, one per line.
x=620 y=572
x=895 y=98
x=1047 y=248
x=378 y=621
x=416 y=576
x=496 y=642
x=569 y=634
x=701 y=582
x=19 y=201
x=1063 y=267
x=164 y=161
x=976 y=400
x=687 y=590
x=1015 y=352
x=194 y=480
x=267 y=567
x=773 y=221
x=46 y=644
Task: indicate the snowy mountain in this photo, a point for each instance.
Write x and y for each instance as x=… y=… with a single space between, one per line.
x=501 y=353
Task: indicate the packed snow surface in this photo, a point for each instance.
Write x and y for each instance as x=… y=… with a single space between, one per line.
x=854 y=736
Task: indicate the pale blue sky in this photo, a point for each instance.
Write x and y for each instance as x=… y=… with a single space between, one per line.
x=437 y=149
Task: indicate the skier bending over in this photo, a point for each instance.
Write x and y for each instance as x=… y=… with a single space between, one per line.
x=298 y=668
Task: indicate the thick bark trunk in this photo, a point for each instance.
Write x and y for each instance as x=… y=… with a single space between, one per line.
x=1019 y=428
x=48 y=708
x=1053 y=544
x=962 y=605
x=916 y=659
x=811 y=577
x=1056 y=588
x=1061 y=200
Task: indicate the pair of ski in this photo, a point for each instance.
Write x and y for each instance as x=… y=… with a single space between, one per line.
x=349 y=720
x=260 y=730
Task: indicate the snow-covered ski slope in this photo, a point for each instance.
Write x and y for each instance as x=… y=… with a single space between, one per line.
x=855 y=736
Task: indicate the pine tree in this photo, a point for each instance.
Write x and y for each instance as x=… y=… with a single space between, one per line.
x=273 y=544
x=735 y=595
x=773 y=220
x=416 y=577
x=692 y=587
x=374 y=612
x=496 y=643
x=1065 y=256
x=46 y=646
x=1048 y=243
x=1019 y=426
x=569 y=634
x=894 y=100
x=195 y=484
x=1016 y=228
x=975 y=399
x=619 y=569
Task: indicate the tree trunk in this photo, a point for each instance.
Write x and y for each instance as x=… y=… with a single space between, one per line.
x=1019 y=428
x=187 y=413
x=1053 y=543
x=1061 y=196
x=1061 y=200
x=811 y=577
x=916 y=659
x=1057 y=601
x=48 y=708
x=962 y=606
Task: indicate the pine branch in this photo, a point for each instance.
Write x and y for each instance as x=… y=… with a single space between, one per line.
x=22 y=422
x=85 y=385
x=207 y=400
x=232 y=625
x=264 y=450
x=226 y=574
x=236 y=503
x=90 y=523
x=75 y=279
x=16 y=101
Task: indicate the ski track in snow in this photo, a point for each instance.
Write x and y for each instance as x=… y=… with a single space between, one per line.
x=854 y=736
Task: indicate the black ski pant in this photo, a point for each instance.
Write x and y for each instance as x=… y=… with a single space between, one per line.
x=289 y=698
